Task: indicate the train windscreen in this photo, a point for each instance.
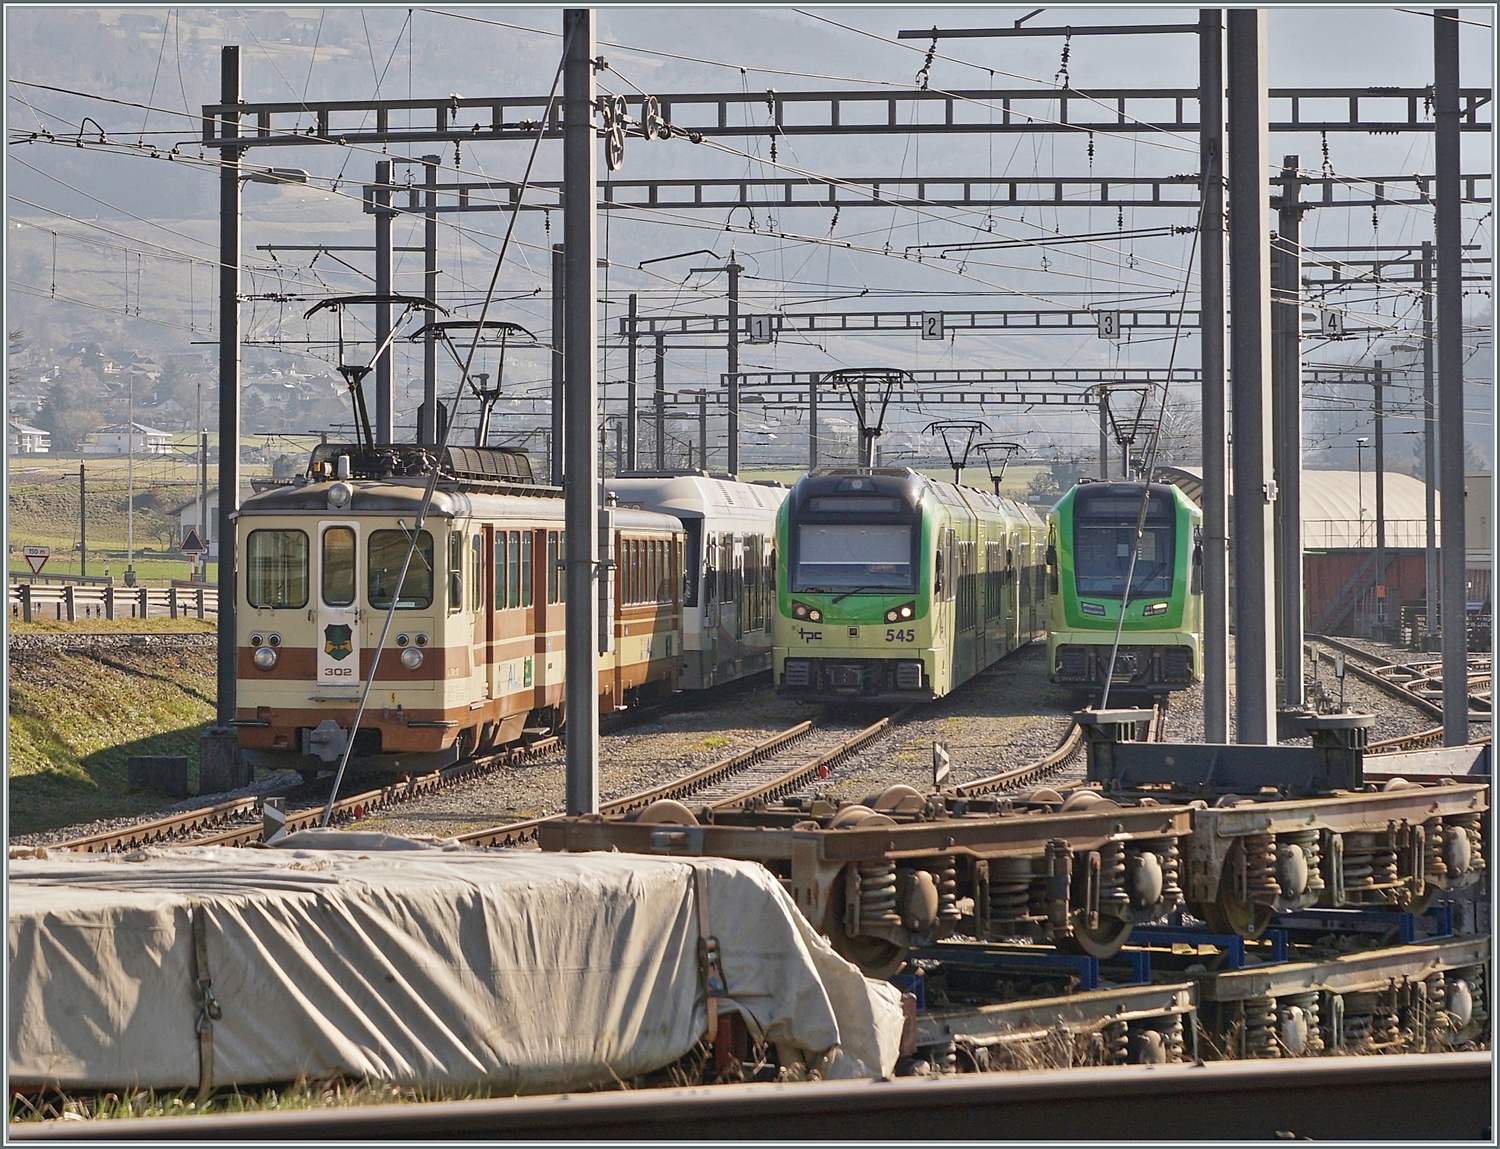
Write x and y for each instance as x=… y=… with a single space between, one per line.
x=854 y=556
x=1103 y=530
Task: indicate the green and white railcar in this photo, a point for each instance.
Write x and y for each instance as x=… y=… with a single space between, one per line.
x=1090 y=534
x=894 y=586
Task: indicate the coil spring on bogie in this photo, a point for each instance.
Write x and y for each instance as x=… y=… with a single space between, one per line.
x=1310 y=1019
x=1429 y=1015
x=1258 y=1037
x=944 y=1058
x=1116 y=1038
x=1360 y=1026
x=1010 y=889
x=1260 y=865
x=1434 y=863
x=1310 y=842
x=946 y=880
x=1368 y=863
x=1157 y=1041
x=1387 y=1024
x=877 y=894
x=1112 y=874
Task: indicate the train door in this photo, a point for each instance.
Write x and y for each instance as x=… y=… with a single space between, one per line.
x=1014 y=573
x=338 y=605
x=489 y=542
x=710 y=598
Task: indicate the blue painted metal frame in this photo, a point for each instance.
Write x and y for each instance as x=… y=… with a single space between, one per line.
x=1002 y=958
x=1371 y=921
x=1232 y=944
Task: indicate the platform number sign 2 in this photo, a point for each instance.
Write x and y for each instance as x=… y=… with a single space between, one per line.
x=759 y=329
x=1109 y=324
x=932 y=325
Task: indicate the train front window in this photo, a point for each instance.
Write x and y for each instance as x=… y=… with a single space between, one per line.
x=853 y=557
x=338 y=566
x=387 y=553
x=1103 y=534
x=276 y=569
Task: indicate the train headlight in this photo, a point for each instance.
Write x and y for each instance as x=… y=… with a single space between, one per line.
x=264 y=658
x=903 y=613
x=403 y=640
x=257 y=639
x=1093 y=608
x=340 y=495
x=815 y=615
x=411 y=658
x=891 y=615
x=799 y=610
x=1154 y=609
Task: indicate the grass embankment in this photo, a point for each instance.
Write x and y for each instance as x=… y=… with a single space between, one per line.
x=116 y=626
x=76 y=716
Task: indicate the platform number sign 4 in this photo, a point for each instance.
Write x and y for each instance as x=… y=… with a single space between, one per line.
x=1109 y=324
x=932 y=325
x=759 y=329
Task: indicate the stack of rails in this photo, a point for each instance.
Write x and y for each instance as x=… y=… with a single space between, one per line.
x=1022 y=921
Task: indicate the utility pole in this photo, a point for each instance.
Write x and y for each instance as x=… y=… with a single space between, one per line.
x=632 y=428
x=703 y=430
x=1215 y=431
x=427 y=433
x=220 y=763
x=660 y=400
x=559 y=359
x=812 y=423
x=1103 y=433
x=83 y=525
x=1286 y=417
x=130 y=486
x=384 y=419
x=734 y=365
x=1429 y=453
x=1380 y=593
x=204 y=534
x=579 y=408
x=1250 y=360
x=1450 y=362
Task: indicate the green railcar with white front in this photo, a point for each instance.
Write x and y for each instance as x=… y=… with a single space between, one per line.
x=1091 y=534
x=892 y=586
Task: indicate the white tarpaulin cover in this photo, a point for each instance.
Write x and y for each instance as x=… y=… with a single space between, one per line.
x=363 y=955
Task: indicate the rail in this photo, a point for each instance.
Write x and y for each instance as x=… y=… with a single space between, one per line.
x=71 y=602
x=1377 y=672
x=1428 y=1097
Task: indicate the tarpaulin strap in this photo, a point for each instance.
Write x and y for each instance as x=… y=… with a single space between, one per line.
x=208 y=1007
x=708 y=954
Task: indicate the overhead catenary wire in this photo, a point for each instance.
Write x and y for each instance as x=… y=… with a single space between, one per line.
x=432 y=479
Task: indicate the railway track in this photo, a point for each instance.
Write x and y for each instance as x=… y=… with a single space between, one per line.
x=775 y=768
x=1412 y=683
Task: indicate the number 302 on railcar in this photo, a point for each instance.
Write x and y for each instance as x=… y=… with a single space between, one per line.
x=1091 y=541
x=476 y=649
x=896 y=587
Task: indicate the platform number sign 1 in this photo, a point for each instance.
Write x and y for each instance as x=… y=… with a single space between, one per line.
x=942 y=765
x=760 y=329
x=1109 y=324
x=932 y=325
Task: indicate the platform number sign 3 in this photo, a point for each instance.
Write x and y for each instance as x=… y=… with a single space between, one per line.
x=760 y=329
x=1109 y=324
x=932 y=325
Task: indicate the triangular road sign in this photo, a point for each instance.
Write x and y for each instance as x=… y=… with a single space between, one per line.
x=192 y=544
x=37 y=562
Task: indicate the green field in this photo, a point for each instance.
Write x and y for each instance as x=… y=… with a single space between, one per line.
x=76 y=716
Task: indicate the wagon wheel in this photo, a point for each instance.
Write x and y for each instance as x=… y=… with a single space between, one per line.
x=1102 y=941
x=1228 y=915
x=875 y=957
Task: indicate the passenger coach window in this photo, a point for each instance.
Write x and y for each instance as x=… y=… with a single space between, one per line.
x=338 y=566
x=513 y=581
x=500 y=554
x=387 y=553
x=455 y=571
x=525 y=568
x=551 y=566
x=476 y=572
x=276 y=569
